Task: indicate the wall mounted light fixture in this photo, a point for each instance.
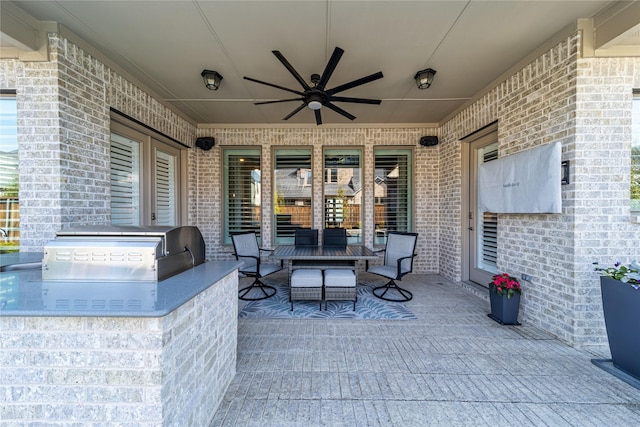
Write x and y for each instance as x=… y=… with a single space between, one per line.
x=424 y=78
x=211 y=79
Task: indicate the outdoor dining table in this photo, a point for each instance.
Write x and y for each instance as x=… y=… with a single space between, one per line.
x=322 y=257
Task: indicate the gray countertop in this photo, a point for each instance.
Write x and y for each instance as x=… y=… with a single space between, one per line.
x=24 y=293
x=20 y=258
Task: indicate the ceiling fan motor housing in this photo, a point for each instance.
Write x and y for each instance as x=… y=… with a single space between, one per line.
x=316 y=96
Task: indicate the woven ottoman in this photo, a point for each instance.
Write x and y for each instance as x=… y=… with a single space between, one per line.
x=340 y=285
x=306 y=285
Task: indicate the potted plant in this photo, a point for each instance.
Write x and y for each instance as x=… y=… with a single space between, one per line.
x=620 y=287
x=504 y=295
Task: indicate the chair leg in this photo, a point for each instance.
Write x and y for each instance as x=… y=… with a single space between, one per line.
x=257 y=284
x=405 y=295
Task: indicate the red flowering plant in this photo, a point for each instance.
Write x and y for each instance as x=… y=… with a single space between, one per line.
x=504 y=284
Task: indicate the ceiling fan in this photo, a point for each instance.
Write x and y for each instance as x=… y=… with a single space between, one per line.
x=315 y=96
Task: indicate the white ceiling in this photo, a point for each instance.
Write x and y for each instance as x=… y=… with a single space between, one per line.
x=166 y=45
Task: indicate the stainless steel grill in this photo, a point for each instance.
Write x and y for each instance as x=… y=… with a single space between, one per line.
x=109 y=253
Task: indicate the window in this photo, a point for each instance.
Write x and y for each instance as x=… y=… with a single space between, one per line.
x=125 y=181
x=292 y=189
x=146 y=182
x=343 y=192
x=486 y=257
x=635 y=153
x=330 y=175
x=242 y=191
x=9 y=202
x=393 y=189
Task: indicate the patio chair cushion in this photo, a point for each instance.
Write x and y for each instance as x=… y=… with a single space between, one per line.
x=339 y=278
x=311 y=278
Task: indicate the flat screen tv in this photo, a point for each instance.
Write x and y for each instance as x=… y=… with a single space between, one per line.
x=525 y=182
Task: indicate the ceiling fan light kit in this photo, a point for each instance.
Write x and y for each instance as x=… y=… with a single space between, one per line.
x=315 y=95
x=424 y=78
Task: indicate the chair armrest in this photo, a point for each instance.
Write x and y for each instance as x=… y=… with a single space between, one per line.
x=257 y=258
x=400 y=263
x=266 y=250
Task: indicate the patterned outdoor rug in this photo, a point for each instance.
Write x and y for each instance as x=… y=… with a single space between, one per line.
x=368 y=307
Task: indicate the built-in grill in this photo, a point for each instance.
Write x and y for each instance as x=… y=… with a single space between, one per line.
x=110 y=253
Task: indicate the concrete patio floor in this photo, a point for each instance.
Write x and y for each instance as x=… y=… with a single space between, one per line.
x=453 y=366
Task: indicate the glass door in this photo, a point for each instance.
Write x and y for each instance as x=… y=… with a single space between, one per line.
x=482 y=226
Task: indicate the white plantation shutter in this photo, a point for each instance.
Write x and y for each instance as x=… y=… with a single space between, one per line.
x=146 y=170
x=343 y=191
x=165 y=188
x=242 y=192
x=392 y=192
x=488 y=224
x=293 y=179
x=125 y=181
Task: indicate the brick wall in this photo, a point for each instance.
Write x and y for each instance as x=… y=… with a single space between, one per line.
x=583 y=102
x=586 y=104
x=168 y=371
x=605 y=231
x=63 y=135
x=207 y=208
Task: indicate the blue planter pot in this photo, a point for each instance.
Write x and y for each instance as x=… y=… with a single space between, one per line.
x=504 y=310
x=621 y=306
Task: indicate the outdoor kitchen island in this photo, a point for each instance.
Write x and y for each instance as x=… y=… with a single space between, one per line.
x=117 y=353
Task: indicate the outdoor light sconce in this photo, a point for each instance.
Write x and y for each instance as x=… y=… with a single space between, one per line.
x=565 y=172
x=211 y=79
x=424 y=78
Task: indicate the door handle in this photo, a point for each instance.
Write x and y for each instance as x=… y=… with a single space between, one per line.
x=153 y=216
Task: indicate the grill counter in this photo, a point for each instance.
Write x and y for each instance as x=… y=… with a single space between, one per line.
x=112 y=254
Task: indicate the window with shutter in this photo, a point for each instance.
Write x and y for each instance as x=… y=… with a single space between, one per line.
x=146 y=181
x=125 y=181
x=393 y=189
x=242 y=192
x=343 y=192
x=292 y=189
x=165 y=189
x=488 y=222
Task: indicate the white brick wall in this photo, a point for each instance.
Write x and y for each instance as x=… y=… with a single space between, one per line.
x=583 y=102
x=169 y=371
x=63 y=136
x=586 y=104
x=207 y=212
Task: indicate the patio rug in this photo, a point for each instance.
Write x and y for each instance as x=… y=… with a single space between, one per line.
x=368 y=307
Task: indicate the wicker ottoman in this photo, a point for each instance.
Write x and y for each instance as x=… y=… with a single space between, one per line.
x=340 y=285
x=306 y=285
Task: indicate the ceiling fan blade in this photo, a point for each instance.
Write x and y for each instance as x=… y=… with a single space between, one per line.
x=292 y=70
x=279 y=100
x=330 y=68
x=318 y=117
x=358 y=82
x=339 y=111
x=297 y=110
x=356 y=100
x=297 y=92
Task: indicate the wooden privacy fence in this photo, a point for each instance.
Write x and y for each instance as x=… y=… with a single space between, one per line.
x=10 y=223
